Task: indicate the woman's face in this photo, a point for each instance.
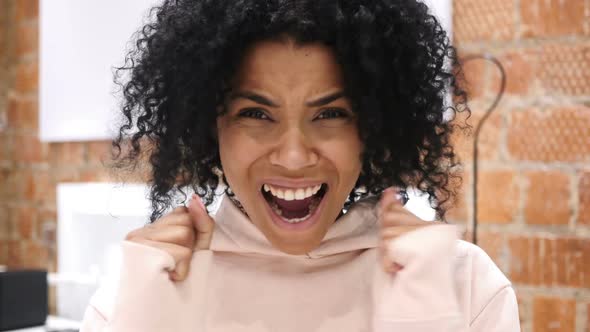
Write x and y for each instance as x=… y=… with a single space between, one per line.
x=289 y=144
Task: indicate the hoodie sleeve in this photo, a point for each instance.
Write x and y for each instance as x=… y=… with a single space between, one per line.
x=144 y=297
x=422 y=297
x=93 y=321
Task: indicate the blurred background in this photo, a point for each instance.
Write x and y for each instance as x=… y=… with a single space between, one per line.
x=533 y=203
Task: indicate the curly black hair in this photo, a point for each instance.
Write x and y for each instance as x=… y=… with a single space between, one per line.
x=400 y=72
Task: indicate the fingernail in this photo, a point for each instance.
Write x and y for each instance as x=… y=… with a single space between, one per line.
x=395 y=192
x=384 y=195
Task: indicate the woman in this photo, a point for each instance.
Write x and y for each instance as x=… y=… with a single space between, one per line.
x=309 y=111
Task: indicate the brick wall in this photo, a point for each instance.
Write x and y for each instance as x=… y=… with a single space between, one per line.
x=29 y=168
x=534 y=199
x=534 y=187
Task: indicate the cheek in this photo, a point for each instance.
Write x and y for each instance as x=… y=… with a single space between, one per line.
x=237 y=152
x=344 y=152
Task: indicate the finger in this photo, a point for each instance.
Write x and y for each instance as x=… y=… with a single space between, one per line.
x=203 y=223
x=177 y=252
x=386 y=197
x=181 y=255
x=181 y=270
x=397 y=218
x=389 y=199
x=176 y=234
x=179 y=209
x=397 y=208
x=180 y=219
x=389 y=233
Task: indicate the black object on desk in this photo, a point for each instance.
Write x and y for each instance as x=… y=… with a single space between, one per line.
x=23 y=299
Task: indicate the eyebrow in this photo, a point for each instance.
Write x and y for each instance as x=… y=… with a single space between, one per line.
x=265 y=101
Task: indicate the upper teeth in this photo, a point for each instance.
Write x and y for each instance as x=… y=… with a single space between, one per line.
x=292 y=194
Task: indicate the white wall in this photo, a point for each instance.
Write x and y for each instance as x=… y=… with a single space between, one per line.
x=80 y=42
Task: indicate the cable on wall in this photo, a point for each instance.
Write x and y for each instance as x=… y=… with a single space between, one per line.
x=495 y=61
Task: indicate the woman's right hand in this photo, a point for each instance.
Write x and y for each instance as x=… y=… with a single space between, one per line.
x=179 y=233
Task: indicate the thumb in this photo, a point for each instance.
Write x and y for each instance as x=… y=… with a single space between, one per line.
x=202 y=222
x=389 y=196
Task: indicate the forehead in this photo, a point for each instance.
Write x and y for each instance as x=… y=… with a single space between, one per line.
x=288 y=65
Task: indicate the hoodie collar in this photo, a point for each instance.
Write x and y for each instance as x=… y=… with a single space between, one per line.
x=355 y=230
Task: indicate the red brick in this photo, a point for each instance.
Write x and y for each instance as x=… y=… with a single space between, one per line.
x=584 y=198
x=100 y=174
x=493 y=243
x=548 y=198
x=458 y=210
x=549 y=261
x=28 y=149
x=27 y=39
x=48 y=197
x=489 y=138
x=98 y=152
x=24 y=218
x=14 y=253
x=557 y=134
x=477 y=21
x=30 y=184
x=27 y=77
x=6 y=224
x=23 y=113
x=10 y=184
x=524 y=308
x=25 y=184
x=498 y=196
x=521 y=68
x=67 y=154
x=27 y=10
x=41 y=188
x=34 y=255
x=3 y=35
x=474 y=74
x=47 y=227
x=554 y=314
x=546 y=18
x=5 y=146
x=564 y=69
x=64 y=175
x=3 y=252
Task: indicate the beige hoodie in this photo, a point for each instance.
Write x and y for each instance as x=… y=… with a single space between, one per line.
x=244 y=284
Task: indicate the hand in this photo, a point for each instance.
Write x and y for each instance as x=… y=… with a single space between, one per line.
x=179 y=233
x=394 y=220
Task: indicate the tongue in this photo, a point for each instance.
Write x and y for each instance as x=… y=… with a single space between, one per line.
x=295 y=208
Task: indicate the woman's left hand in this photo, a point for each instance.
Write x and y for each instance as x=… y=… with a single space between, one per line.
x=394 y=220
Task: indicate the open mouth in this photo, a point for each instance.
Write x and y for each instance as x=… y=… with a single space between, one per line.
x=294 y=205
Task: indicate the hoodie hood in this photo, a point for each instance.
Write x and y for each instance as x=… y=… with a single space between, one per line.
x=355 y=230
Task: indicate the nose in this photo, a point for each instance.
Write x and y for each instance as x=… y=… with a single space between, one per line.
x=294 y=151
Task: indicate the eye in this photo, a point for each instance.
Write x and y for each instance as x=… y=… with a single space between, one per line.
x=333 y=113
x=255 y=113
